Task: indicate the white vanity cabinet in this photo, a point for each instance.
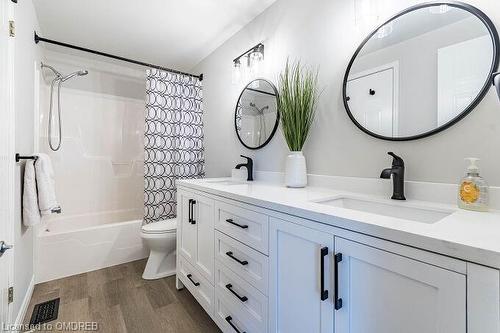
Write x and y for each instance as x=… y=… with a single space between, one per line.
x=195 y=228
x=257 y=270
x=300 y=279
x=383 y=292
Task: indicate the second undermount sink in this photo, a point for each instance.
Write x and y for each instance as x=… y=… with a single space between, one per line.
x=417 y=214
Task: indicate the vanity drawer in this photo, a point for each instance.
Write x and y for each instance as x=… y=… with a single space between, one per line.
x=247 y=226
x=231 y=318
x=249 y=300
x=199 y=287
x=249 y=264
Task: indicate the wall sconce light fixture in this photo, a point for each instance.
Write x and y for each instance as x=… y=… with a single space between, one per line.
x=248 y=63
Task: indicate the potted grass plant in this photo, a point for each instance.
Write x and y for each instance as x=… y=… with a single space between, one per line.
x=297 y=99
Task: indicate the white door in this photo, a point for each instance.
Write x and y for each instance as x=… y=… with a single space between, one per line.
x=204 y=216
x=462 y=68
x=300 y=296
x=187 y=228
x=7 y=161
x=386 y=293
x=372 y=101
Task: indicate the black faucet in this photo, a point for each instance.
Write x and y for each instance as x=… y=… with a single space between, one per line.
x=249 y=166
x=398 y=177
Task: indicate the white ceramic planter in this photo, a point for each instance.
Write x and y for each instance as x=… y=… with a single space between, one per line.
x=295 y=170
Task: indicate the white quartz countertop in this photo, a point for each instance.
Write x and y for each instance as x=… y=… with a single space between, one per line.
x=466 y=235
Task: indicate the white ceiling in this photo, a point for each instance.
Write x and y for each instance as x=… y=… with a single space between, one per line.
x=172 y=33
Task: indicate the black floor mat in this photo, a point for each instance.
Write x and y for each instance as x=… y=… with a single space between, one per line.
x=45 y=312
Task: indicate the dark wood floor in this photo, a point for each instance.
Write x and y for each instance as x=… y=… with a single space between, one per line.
x=119 y=300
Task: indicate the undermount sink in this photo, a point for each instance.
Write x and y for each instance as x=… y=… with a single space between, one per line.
x=226 y=182
x=417 y=214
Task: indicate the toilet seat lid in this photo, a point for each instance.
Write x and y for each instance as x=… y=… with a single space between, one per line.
x=160 y=227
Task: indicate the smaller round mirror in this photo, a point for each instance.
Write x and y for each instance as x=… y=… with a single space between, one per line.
x=256 y=116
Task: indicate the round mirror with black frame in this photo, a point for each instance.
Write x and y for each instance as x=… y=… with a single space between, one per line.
x=421 y=71
x=256 y=114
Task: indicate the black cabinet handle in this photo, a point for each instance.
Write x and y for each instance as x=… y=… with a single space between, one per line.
x=229 y=319
x=191 y=211
x=229 y=287
x=338 y=300
x=196 y=284
x=372 y=92
x=323 y=253
x=236 y=224
x=242 y=262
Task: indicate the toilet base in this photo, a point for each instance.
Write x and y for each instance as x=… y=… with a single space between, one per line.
x=159 y=265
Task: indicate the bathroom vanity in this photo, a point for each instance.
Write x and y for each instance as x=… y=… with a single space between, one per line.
x=260 y=257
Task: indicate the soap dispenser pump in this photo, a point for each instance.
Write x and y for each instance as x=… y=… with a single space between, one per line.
x=473 y=191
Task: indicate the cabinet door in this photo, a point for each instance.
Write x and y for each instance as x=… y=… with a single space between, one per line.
x=204 y=216
x=188 y=230
x=384 y=292
x=296 y=301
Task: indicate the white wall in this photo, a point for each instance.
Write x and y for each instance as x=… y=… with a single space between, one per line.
x=26 y=53
x=324 y=34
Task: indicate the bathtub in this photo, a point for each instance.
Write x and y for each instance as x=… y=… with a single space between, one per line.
x=77 y=244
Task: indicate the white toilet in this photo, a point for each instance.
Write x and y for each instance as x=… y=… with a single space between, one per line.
x=160 y=239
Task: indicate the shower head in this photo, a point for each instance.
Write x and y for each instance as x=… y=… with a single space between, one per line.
x=56 y=73
x=78 y=73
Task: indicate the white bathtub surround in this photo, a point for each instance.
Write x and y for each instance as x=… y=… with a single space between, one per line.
x=99 y=168
x=69 y=246
x=296 y=170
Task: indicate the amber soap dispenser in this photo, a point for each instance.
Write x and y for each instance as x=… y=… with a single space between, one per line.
x=473 y=190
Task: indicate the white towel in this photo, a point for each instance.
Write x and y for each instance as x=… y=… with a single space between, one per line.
x=31 y=212
x=47 y=201
x=39 y=196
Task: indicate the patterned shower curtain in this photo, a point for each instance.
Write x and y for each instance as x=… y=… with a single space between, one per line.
x=173 y=140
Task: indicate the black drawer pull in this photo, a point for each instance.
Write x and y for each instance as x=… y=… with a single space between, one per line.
x=196 y=284
x=230 y=255
x=229 y=319
x=323 y=254
x=338 y=300
x=191 y=211
x=229 y=287
x=236 y=224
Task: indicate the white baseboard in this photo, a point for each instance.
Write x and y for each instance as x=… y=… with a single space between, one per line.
x=25 y=304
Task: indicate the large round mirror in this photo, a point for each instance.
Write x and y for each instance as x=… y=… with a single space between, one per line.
x=421 y=71
x=256 y=116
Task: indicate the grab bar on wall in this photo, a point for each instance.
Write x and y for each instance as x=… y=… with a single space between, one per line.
x=20 y=157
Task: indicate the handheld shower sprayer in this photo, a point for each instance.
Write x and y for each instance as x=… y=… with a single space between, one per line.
x=59 y=79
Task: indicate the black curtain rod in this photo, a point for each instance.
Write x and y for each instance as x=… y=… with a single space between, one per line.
x=261 y=91
x=50 y=41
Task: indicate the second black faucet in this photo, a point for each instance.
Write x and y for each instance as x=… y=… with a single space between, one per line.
x=249 y=166
x=398 y=177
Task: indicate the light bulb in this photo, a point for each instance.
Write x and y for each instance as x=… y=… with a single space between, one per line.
x=385 y=30
x=441 y=9
x=236 y=74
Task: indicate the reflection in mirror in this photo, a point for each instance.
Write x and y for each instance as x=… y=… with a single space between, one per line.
x=256 y=114
x=421 y=72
